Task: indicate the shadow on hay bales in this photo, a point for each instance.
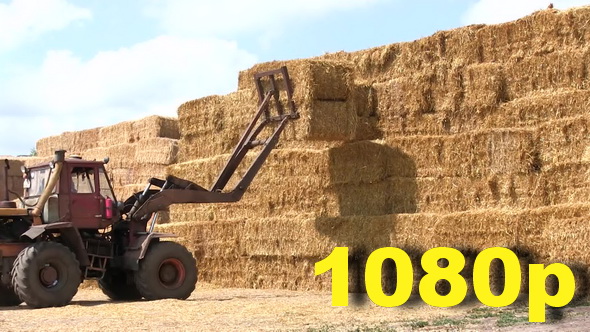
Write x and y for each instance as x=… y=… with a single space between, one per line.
x=372 y=182
x=372 y=179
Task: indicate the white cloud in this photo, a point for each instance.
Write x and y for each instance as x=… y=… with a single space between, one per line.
x=24 y=20
x=499 y=11
x=232 y=17
x=153 y=77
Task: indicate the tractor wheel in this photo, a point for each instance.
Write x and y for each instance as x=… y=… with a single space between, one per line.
x=118 y=286
x=46 y=274
x=167 y=271
x=7 y=297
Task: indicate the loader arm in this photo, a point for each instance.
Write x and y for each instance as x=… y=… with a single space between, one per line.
x=174 y=190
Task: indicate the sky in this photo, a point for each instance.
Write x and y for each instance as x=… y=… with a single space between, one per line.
x=70 y=65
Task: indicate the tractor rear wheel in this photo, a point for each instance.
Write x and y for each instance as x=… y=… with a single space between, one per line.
x=46 y=274
x=7 y=297
x=118 y=286
x=168 y=271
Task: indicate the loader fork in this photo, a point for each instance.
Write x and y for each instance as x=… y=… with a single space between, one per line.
x=249 y=138
x=274 y=92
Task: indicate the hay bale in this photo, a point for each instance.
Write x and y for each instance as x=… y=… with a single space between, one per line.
x=156 y=150
x=563 y=68
x=73 y=142
x=475 y=154
x=485 y=88
x=420 y=103
x=136 y=175
x=566 y=183
x=134 y=131
x=311 y=79
x=563 y=140
x=539 y=107
x=456 y=194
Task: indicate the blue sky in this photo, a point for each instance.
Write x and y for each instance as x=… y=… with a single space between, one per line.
x=76 y=64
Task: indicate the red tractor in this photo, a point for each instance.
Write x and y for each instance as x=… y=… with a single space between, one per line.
x=71 y=227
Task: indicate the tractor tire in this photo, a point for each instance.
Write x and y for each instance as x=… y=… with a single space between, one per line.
x=118 y=286
x=8 y=298
x=168 y=271
x=46 y=274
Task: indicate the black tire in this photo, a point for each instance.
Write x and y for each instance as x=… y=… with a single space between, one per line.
x=168 y=271
x=8 y=298
x=119 y=285
x=46 y=274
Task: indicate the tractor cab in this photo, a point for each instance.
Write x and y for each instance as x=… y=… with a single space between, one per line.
x=83 y=194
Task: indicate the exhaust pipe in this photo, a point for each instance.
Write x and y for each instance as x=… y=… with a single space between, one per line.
x=58 y=160
x=5 y=173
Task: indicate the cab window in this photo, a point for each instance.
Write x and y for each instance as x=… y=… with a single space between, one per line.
x=83 y=180
x=105 y=188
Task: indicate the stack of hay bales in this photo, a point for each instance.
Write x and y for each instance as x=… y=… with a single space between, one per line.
x=470 y=138
x=138 y=150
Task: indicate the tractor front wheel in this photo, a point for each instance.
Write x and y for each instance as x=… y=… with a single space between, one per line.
x=168 y=271
x=46 y=274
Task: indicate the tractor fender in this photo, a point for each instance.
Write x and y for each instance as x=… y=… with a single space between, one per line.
x=70 y=235
x=136 y=253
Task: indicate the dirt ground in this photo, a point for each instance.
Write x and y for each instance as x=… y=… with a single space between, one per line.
x=221 y=309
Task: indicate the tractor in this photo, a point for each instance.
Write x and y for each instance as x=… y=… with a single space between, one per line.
x=68 y=226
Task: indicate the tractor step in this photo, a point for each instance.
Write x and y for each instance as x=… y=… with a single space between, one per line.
x=99 y=253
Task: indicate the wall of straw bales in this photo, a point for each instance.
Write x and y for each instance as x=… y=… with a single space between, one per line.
x=472 y=138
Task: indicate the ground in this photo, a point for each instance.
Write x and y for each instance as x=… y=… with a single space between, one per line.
x=221 y=309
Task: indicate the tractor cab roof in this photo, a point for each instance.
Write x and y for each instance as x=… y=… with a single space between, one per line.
x=72 y=161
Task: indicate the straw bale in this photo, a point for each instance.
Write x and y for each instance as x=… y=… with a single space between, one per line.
x=563 y=140
x=539 y=107
x=311 y=79
x=485 y=88
x=564 y=68
x=425 y=103
x=157 y=150
x=124 y=192
x=455 y=194
x=472 y=154
x=512 y=150
x=134 y=131
x=74 y=142
x=586 y=155
x=97 y=153
x=138 y=174
x=566 y=183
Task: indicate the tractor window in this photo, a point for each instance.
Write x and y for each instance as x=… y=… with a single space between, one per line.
x=105 y=188
x=83 y=180
x=39 y=178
